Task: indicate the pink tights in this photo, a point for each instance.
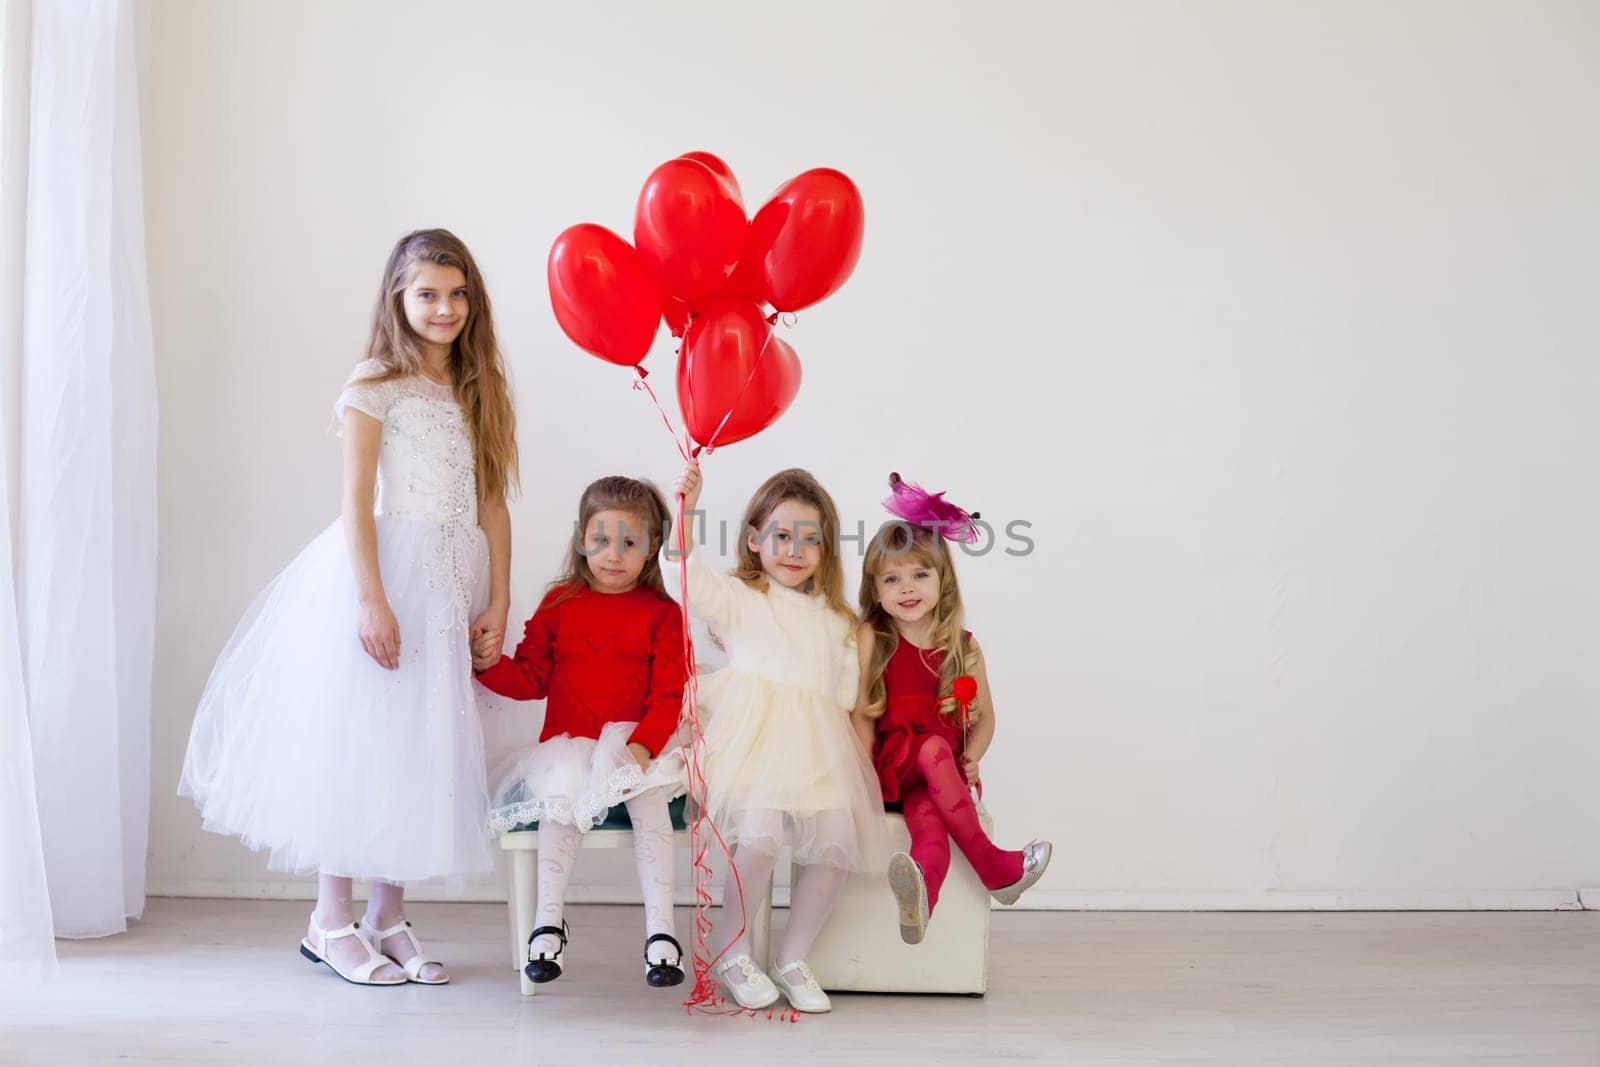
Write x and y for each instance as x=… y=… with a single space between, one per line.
x=938 y=808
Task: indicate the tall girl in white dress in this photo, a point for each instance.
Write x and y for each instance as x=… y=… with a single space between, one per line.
x=339 y=728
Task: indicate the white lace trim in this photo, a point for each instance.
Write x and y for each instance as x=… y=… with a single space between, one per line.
x=582 y=813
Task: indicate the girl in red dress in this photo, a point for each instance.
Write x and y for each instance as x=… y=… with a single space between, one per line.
x=605 y=652
x=925 y=745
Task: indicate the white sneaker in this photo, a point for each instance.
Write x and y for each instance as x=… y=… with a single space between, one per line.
x=746 y=983
x=804 y=993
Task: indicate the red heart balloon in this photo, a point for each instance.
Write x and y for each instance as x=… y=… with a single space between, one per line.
x=734 y=376
x=604 y=295
x=721 y=170
x=805 y=241
x=689 y=227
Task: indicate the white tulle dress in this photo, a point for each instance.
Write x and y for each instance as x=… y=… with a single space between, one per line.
x=304 y=745
x=782 y=764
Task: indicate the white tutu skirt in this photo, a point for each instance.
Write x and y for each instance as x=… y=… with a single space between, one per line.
x=784 y=767
x=305 y=746
x=576 y=780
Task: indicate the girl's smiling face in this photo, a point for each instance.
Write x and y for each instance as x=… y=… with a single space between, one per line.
x=436 y=303
x=907 y=588
x=790 y=544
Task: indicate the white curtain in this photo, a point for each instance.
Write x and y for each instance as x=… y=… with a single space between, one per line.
x=86 y=522
x=27 y=949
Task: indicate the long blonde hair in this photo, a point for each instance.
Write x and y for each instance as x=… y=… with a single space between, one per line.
x=475 y=363
x=617 y=493
x=896 y=541
x=798 y=485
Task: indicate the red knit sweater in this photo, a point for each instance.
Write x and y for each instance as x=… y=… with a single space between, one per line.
x=597 y=658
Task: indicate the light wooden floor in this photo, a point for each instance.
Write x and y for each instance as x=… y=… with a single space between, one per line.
x=220 y=982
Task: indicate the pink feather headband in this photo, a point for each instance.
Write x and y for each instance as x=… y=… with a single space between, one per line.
x=931 y=511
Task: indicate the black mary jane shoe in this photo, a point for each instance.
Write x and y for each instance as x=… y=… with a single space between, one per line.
x=542 y=968
x=663 y=975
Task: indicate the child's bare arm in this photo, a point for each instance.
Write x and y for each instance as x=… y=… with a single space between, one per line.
x=377 y=628
x=865 y=726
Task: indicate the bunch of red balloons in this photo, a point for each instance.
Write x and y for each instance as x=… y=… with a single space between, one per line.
x=697 y=261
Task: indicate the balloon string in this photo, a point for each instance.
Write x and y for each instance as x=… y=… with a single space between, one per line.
x=705 y=996
x=672 y=431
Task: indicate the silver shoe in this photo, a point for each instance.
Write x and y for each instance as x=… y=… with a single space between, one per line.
x=911 y=895
x=1035 y=858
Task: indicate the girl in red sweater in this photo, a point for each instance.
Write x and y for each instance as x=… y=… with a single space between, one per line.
x=605 y=652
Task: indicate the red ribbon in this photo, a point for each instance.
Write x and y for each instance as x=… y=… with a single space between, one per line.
x=705 y=995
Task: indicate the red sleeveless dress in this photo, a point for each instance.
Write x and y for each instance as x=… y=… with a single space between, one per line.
x=911 y=684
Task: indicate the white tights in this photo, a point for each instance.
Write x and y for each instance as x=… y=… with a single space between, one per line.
x=652 y=854
x=811 y=901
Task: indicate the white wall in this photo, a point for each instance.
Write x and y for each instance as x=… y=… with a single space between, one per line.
x=1276 y=321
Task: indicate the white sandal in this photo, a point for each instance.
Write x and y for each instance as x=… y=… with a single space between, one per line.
x=413 y=966
x=362 y=974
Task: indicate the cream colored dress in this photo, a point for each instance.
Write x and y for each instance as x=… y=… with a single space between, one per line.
x=782 y=764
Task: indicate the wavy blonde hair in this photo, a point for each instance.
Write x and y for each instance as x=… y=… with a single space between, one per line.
x=794 y=484
x=635 y=497
x=894 y=542
x=476 y=367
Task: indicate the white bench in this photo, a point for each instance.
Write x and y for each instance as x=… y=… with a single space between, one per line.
x=522 y=848
x=860 y=950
